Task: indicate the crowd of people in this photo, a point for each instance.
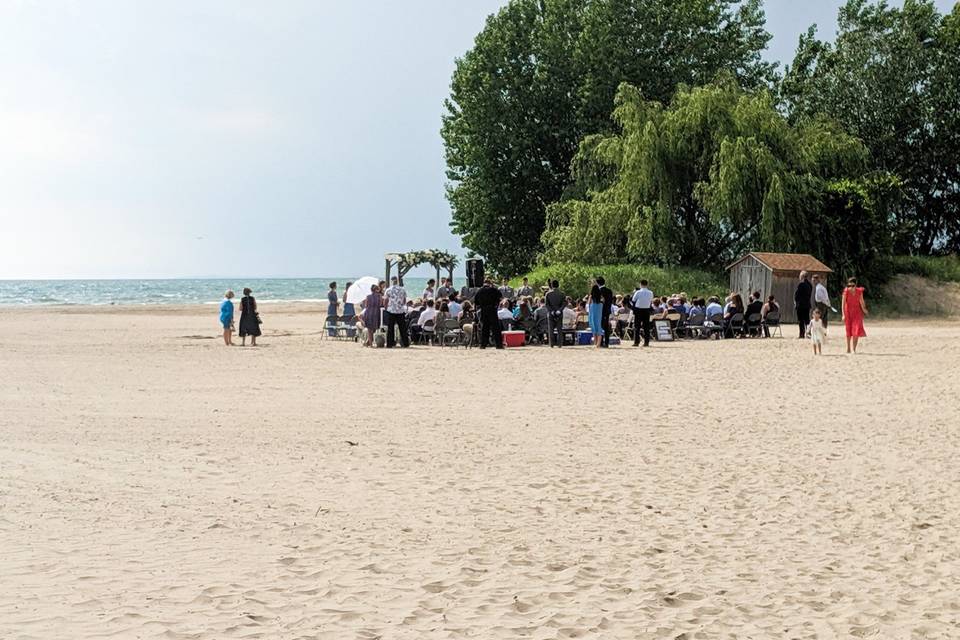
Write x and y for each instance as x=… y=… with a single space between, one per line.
x=550 y=316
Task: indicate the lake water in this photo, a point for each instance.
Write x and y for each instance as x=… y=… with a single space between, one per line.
x=179 y=291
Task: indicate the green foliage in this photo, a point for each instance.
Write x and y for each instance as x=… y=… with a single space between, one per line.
x=939 y=268
x=623 y=278
x=717 y=172
x=892 y=78
x=542 y=75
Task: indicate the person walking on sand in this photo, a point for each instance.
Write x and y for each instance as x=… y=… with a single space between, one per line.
x=854 y=309
x=371 y=313
x=226 y=318
x=801 y=302
x=817 y=332
x=821 y=298
x=249 y=319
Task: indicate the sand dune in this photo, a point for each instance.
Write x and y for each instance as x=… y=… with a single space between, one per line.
x=154 y=484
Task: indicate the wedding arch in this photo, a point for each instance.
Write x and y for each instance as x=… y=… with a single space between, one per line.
x=404 y=262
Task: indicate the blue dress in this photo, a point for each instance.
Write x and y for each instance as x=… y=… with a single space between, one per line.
x=226 y=313
x=595 y=312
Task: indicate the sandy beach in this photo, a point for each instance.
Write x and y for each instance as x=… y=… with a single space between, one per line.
x=156 y=484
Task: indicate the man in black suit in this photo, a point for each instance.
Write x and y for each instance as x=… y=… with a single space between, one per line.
x=801 y=302
x=606 y=297
x=554 y=303
x=487 y=300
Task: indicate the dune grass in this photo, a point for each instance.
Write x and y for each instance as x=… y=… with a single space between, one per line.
x=939 y=268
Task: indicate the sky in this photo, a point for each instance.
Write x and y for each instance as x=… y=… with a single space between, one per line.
x=237 y=138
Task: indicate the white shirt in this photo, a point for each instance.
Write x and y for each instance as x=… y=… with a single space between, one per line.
x=821 y=294
x=642 y=298
x=427 y=314
x=569 y=318
x=505 y=314
x=427 y=294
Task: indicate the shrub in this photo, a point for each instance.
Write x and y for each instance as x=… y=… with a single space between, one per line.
x=623 y=278
x=940 y=268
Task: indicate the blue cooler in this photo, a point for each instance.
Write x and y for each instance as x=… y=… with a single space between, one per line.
x=584 y=337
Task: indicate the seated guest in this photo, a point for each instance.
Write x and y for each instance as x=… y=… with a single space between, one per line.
x=569 y=318
x=734 y=307
x=443 y=313
x=468 y=319
x=770 y=306
x=696 y=306
x=413 y=313
x=428 y=314
x=504 y=312
x=540 y=325
x=454 y=304
x=713 y=307
x=664 y=309
x=624 y=316
x=523 y=312
x=655 y=308
x=755 y=306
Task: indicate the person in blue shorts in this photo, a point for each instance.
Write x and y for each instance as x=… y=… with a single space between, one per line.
x=226 y=318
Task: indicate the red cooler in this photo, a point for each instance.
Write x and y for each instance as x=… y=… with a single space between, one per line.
x=513 y=338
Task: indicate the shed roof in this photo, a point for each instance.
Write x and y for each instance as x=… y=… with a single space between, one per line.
x=786 y=262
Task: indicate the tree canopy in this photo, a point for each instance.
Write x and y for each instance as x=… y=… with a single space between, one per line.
x=542 y=75
x=892 y=78
x=717 y=171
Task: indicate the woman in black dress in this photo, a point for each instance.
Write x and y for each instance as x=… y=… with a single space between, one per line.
x=249 y=319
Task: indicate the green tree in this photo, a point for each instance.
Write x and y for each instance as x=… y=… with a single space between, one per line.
x=716 y=172
x=892 y=78
x=542 y=75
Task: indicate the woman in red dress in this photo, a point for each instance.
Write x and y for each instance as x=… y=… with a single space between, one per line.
x=854 y=309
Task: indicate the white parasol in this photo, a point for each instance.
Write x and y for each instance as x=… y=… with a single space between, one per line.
x=359 y=290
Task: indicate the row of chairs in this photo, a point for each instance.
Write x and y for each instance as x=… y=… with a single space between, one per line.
x=698 y=325
x=340 y=328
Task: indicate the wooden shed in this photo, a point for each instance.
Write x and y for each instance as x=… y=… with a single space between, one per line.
x=774 y=273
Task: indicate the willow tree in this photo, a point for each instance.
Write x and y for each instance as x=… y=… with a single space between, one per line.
x=543 y=73
x=717 y=171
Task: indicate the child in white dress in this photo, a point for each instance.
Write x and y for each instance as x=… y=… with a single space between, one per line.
x=817 y=332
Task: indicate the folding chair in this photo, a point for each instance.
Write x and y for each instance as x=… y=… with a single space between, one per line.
x=753 y=326
x=771 y=324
